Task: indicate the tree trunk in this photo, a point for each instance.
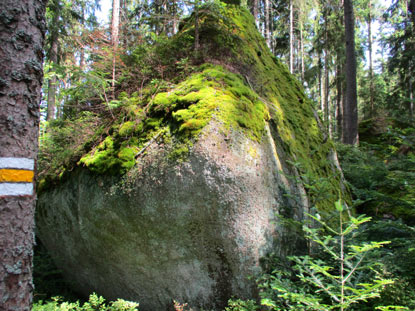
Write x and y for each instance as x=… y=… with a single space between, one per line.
x=291 y=37
x=326 y=90
x=267 y=23
x=326 y=75
x=371 y=85
x=339 y=97
x=82 y=48
x=53 y=58
x=302 y=53
x=52 y=82
x=255 y=12
x=411 y=99
x=320 y=83
x=164 y=15
x=20 y=82
x=411 y=8
x=196 y=28
x=350 y=133
x=115 y=28
x=174 y=12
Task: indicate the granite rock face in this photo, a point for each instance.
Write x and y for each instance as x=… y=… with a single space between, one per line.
x=193 y=232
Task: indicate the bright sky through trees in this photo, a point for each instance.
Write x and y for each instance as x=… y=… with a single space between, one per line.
x=103 y=14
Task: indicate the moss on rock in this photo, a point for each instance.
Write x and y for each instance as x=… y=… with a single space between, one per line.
x=240 y=84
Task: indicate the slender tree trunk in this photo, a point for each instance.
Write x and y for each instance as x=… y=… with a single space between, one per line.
x=267 y=23
x=123 y=22
x=21 y=79
x=255 y=12
x=196 y=27
x=326 y=90
x=339 y=97
x=52 y=82
x=320 y=83
x=174 y=12
x=326 y=75
x=302 y=52
x=350 y=128
x=411 y=8
x=271 y=28
x=82 y=53
x=291 y=37
x=115 y=28
x=371 y=85
x=82 y=59
x=411 y=99
x=164 y=16
x=52 y=86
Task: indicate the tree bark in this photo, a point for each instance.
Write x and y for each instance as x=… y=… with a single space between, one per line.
x=267 y=23
x=174 y=13
x=411 y=8
x=115 y=28
x=255 y=12
x=52 y=82
x=53 y=58
x=291 y=37
x=411 y=99
x=326 y=91
x=196 y=10
x=302 y=53
x=350 y=126
x=339 y=97
x=22 y=28
x=320 y=83
x=371 y=85
x=326 y=75
x=82 y=48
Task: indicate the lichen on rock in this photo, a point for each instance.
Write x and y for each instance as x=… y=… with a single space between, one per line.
x=182 y=198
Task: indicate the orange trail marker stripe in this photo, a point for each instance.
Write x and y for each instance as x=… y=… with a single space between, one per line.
x=10 y=175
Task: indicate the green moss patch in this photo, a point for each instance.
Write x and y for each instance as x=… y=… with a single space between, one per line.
x=183 y=112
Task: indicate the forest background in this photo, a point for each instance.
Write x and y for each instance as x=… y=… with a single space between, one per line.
x=87 y=74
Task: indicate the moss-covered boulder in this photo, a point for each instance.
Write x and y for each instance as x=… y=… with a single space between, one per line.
x=182 y=202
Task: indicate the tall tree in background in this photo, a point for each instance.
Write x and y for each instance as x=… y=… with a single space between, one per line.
x=401 y=61
x=21 y=54
x=53 y=11
x=350 y=125
x=115 y=28
x=291 y=37
x=68 y=23
x=370 y=51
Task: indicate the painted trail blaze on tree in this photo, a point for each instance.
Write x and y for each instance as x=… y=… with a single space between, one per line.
x=16 y=176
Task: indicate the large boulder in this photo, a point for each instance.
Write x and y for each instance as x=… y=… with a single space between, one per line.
x=201 y=196
x=191 y=231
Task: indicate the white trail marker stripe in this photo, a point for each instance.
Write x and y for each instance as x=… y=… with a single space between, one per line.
x=13 y=189
x=19 y=163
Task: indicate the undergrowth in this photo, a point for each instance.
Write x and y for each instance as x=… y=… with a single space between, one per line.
x=95 y=302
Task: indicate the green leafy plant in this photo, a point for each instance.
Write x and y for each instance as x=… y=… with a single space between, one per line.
x=337 y=281
x=95 y=303
x=241 y=305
